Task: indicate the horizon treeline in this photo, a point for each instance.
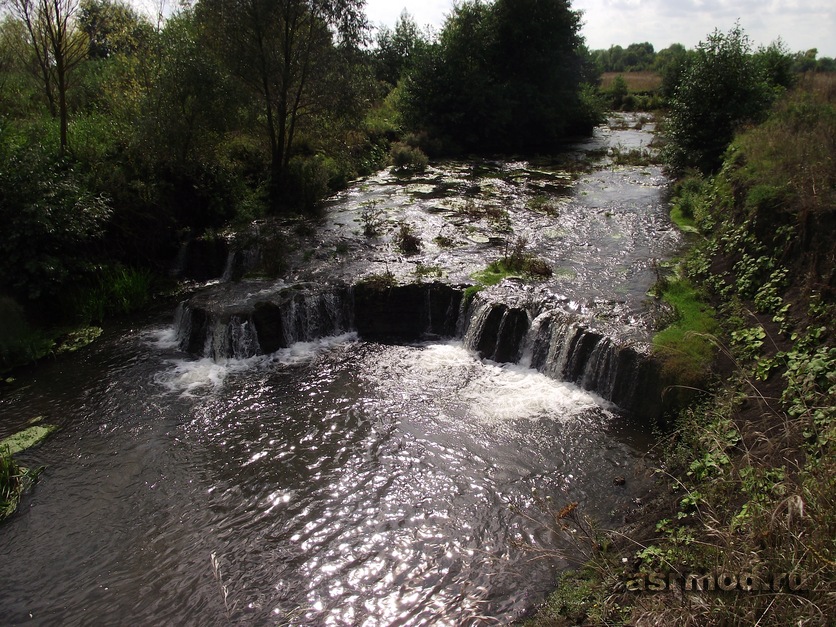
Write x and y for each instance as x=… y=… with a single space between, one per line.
x=643 y=57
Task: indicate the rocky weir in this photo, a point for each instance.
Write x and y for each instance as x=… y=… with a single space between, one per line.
x=511 y=323
x=595 y=216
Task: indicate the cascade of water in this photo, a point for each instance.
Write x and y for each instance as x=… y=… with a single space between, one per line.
x=559 y=344
x=539 y=335
x=472 y=323
x=229 y=268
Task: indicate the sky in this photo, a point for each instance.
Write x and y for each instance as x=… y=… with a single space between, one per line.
x=801 y=24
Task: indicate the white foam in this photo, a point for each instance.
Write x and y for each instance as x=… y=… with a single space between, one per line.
x=304 y=352
x=191 y=377
x=508 y=392
x=457 y=380
x=164 y=338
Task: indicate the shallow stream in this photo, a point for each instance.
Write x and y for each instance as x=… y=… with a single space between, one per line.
x=334 y=482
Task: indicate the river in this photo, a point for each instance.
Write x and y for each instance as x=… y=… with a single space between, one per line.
x=336 y=481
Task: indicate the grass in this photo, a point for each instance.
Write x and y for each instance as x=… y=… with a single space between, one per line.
x=637 y=82
x=117 y=290
x=686 y=347
x=380 y=281
x=14 y=478
x=407 y=241
x=494 y=273
x=517 y=262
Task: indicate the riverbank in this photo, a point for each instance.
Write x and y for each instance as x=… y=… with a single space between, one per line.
x=746 y=475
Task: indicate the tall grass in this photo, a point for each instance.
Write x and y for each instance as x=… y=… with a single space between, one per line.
x=637 y=82
x=118 y=290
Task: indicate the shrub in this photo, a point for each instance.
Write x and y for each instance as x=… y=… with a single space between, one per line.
x=52 y=222
x=407 y=241
x=721 y=88
x=408 y=158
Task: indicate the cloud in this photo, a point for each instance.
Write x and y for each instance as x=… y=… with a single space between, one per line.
x=802 y=24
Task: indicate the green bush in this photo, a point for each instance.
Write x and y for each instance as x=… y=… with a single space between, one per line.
x=113 y=291
x=408 y=158
x=407 y=241
x=52 y=222
x=19 y=342
x=721 y=88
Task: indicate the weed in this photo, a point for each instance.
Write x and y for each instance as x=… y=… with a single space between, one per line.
x=407 y=158
x=380 y=281
x=407 y=241
x=543 y=203
x=422 y=271
x=371 y=218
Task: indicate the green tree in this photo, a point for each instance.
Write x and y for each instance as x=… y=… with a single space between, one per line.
x=776 y=62
x=639 y=57
x=670 y=62
x=504 y=76
x=58 y=45
x=721 y=88
x=397 y=50
x=618 y=91
x=113 y=27
x=52 y=223
x=285 y=53
x=18 y=88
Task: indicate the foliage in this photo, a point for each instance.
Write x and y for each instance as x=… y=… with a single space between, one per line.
x=115 y=290
x=57 y=46
x=52 y=222
x=14 y=480
x=722 y=87
x=406 y=240
x=618 y=91
x=517 y=261
x=289 y=57
x=19 y=342
x=636 y=57
x=380 y=281
x=22 y=440
x=503 y=76
x=407 y=158
x=371 y=218
x=398 y=50
x=685 y=346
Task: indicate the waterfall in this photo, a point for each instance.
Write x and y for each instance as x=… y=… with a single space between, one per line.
x=562 y=345
x=309 y=316
x=262 y=323
x=515 y=328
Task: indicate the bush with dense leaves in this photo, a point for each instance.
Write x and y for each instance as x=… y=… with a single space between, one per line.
x=722 y=87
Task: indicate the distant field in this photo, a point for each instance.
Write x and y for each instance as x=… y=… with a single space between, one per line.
x=636 y=81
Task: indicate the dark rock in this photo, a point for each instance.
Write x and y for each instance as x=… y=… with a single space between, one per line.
x=405 y=312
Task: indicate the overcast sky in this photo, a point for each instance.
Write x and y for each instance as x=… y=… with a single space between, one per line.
x=802 y=24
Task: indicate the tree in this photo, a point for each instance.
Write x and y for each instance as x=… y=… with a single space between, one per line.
x=776 y=62
x=112 y=27
x=618 y=91
x=285 y=53
x=504 y=76
x=398 y=49
x=58 y=46
x=721 y=88
x=670 y=63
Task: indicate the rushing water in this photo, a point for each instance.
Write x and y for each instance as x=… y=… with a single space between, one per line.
x=334 y=482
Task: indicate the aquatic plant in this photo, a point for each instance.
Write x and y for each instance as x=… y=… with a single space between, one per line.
x=407 y=241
